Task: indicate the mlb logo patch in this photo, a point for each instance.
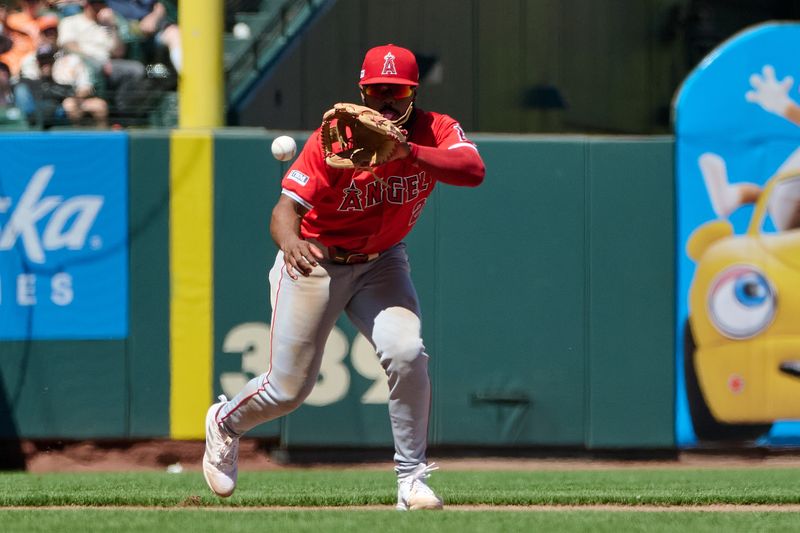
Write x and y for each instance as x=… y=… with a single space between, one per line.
x=299 y=177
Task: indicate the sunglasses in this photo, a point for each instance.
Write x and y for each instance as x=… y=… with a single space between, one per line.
x=384 y=90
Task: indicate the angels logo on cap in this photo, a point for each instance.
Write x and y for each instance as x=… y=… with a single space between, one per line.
x=389 y=64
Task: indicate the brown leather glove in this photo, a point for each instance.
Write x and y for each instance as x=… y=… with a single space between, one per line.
x=355 y=136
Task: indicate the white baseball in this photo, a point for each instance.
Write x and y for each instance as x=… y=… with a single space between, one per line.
x=241 y=31
x=284 y=148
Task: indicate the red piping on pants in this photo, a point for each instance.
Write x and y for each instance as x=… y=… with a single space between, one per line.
x=271 y=329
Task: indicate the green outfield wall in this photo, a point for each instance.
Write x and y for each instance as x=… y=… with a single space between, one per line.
x=547 y=294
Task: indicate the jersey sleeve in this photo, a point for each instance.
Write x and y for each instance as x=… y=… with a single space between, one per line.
x=449 y=133
x=446 y=153
x=306 y=180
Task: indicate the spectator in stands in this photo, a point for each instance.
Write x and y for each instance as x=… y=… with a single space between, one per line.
x=9 y=112
x=93 y=34
x=23 y=30
x=62 y=88
x=48 y=34
x=150 y=21
x=27 y=18
x=41 y=99
x=6 y=92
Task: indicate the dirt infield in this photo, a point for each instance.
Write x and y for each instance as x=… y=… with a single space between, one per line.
x=716 y=508
x=90 y=456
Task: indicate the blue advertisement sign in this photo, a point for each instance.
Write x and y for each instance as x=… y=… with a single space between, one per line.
x=737 y=124
x=63 y=236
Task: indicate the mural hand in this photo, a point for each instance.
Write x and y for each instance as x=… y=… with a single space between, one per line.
x=772 y=95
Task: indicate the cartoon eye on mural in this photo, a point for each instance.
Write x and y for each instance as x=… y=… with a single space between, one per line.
x=739 y=264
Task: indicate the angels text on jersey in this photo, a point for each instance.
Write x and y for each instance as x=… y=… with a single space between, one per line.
x=398 y=190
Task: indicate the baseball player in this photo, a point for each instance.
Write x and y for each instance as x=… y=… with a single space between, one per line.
x=340 y=234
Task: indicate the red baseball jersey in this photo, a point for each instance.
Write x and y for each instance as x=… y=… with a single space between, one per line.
x=351 y=209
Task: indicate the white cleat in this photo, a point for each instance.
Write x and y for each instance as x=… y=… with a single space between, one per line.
x=413 y=493
x=220 y=462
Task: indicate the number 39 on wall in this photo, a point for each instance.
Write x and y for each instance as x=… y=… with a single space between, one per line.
x=251 y=340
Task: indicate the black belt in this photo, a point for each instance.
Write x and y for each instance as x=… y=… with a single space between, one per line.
x=344 y=257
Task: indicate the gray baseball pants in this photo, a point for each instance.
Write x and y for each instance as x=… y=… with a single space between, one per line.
x=380 y=300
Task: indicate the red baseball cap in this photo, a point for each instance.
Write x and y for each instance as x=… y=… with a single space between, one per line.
x=389 y=64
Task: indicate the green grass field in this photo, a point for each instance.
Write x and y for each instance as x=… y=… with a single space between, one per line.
x=156 y=501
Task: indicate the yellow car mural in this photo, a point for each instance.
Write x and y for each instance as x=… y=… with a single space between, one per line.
x=742 y=337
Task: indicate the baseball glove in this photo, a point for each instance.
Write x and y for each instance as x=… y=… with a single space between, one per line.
x=354 y=136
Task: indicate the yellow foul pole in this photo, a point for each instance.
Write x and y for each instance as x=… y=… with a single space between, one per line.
x=201 y=89
x=201 y=101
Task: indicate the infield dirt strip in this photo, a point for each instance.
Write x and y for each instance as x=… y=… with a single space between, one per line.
x=716 y=508
x=89 y=456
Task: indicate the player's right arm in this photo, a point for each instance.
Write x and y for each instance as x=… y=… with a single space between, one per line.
x=454 y=160
x=302 y=185
x=299 y=255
